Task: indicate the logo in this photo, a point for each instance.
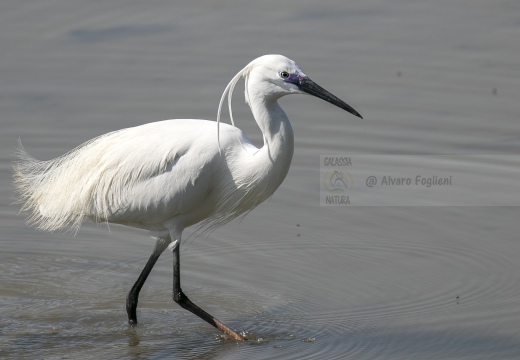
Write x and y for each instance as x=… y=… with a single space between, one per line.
x=337 y=181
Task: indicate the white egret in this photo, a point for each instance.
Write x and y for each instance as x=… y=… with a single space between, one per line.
x=165 y=176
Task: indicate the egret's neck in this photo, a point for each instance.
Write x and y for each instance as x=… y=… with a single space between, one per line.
x=276 y=129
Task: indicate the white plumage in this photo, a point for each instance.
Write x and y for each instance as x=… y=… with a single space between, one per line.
x=145 y=176
x=165 y=176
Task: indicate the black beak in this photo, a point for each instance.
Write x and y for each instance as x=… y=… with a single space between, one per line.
x=310 y=87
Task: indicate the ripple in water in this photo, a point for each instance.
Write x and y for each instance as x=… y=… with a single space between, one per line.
x=336 y=299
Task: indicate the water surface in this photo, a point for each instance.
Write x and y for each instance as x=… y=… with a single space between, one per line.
x=304 y=281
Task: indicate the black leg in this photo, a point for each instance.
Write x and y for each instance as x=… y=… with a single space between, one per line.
x=133 y=296
x=180 y=298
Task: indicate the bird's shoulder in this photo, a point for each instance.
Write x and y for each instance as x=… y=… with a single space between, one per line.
x=181 y=147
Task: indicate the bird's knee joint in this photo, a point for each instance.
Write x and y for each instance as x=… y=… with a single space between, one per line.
x=179 y=297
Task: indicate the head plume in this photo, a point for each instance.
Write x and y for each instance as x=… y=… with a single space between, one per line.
x=228 y=91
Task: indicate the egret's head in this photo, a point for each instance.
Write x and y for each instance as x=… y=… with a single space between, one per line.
x=275 y=76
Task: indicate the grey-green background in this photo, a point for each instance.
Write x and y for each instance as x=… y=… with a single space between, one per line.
x=307 y=282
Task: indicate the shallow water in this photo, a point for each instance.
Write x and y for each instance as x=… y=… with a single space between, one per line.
x=303 y=281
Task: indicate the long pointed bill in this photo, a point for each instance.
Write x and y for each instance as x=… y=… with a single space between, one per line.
x=310 y=87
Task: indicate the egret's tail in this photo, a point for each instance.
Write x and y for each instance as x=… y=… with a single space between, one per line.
x=43 y=188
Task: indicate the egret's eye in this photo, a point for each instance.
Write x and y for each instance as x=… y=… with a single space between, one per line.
x=284 y=74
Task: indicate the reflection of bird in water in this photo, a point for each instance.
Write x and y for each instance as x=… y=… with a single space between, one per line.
x=337 y=181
